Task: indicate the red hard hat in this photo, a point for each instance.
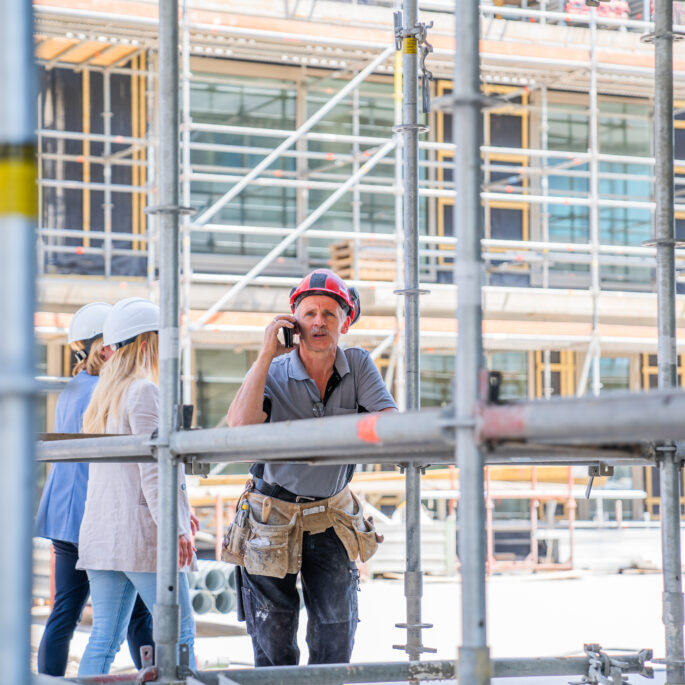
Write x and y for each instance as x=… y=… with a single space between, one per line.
x=325 y=282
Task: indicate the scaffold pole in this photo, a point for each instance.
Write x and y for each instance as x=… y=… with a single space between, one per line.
x=474 y=657
x=17 y=384
x=166 y=611
x=670 y=467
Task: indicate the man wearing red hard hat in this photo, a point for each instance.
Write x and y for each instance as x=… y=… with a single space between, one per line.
x=296 y=518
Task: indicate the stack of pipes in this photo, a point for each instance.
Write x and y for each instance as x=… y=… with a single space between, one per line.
x=212 y=587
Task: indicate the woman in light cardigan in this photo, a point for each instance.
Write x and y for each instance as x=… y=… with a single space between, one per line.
x=118 y=535
x=63 y=500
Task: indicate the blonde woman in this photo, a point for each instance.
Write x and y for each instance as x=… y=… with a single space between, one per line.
x=64 y=497
x=118 y=536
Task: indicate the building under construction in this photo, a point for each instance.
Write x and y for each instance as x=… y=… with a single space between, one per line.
x=568 y=165
x=308 y=135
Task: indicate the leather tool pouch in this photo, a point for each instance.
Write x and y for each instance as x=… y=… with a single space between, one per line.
x=357 y=534
x=264 y=549
x=233 y=548
x=273 y=550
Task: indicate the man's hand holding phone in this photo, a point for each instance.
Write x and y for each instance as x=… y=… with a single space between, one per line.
x=273 y=347
x=288 y=334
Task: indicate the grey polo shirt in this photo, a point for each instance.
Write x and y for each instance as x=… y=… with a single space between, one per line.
x=290 y=394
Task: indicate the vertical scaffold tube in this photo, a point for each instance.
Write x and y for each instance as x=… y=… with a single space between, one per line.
x=665 y=257
x=474 y=657
x=412 y=576
x=166 y=614
x=17 y=259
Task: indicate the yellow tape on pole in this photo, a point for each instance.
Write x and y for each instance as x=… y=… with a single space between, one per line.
x=409 y=45
x=18 y=193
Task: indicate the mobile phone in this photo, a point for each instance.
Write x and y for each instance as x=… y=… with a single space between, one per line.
x=288 y=335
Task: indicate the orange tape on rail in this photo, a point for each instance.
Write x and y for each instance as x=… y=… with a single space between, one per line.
x=366 y=429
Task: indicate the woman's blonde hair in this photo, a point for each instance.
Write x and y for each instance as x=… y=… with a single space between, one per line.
x=93 y=362
x=138 y=359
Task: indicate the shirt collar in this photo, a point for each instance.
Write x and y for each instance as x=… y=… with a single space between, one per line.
x=297 y=371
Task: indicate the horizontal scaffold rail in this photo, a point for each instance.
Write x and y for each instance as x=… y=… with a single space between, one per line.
x=412 y=671
x=612 y=429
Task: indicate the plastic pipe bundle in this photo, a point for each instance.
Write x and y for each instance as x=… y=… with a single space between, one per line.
x=213 y=587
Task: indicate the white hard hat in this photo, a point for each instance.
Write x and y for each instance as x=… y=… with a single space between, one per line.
x=129 y=318
x=88 y=321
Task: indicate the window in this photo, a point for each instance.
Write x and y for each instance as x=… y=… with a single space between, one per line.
x=504 y=172
x=562 y=373
x=514 y=369
x=437 y=374
x=246 y=102
x=614 y=372
x=219 y=374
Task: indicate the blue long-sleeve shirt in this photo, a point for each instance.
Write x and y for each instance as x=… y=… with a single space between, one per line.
x=64 y=495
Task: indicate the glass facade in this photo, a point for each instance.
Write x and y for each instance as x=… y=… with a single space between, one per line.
x=218 y=373
x=258 y=105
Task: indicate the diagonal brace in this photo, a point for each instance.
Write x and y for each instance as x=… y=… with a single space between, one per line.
x=288 y=142
x=294 y=235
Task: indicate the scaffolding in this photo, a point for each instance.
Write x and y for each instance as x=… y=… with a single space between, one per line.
x=591 y=430
x=199 y=38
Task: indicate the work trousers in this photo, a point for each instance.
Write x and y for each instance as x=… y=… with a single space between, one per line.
x=71 y=593
x=330 y=582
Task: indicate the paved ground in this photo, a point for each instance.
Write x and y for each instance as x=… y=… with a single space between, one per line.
x=547 y=614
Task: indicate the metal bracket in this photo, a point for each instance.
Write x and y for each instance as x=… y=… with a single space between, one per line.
x=419 y=32
x=169 y=209
x=597 y=470
x=411 y=291
x=419 y=648
x=421 y=128
x=184 y=670
x=147 y=657
x=662 y=449
x=653 y=37
x=607 y=670
x=494 y=386
x=452 y=101
x=662 y=242
x=193 y=467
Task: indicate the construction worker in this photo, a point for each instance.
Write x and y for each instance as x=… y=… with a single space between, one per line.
x=63 y=499
x=295 y=517
x=118 y=536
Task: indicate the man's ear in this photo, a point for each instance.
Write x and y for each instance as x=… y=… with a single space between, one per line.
x=346 y=326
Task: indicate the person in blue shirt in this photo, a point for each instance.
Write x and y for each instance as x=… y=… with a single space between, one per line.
x=63 y=501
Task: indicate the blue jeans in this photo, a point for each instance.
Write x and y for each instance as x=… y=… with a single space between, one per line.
x=113 y=595
x=71 y=593
x=330 y=582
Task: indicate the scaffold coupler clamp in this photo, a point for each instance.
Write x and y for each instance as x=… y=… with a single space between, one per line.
x=608 y=670
x=414 y=40
x=660 y=451
x=184 y=421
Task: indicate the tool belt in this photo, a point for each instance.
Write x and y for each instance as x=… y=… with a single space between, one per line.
x=269 y=541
